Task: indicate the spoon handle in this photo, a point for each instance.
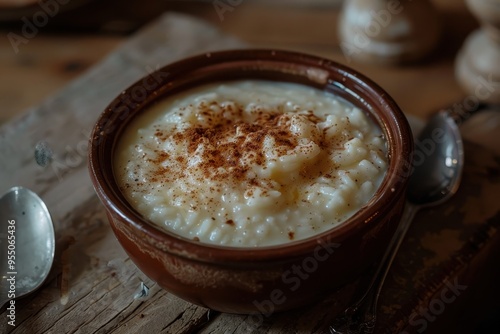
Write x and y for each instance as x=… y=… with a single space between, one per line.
x=360 y=318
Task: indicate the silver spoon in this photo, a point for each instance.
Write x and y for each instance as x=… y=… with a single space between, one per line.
x=438 y=164
x=27 y=243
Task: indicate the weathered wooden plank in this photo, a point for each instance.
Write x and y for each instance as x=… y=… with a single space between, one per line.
x=310 y=319
x=93 y=282
x=93 y=287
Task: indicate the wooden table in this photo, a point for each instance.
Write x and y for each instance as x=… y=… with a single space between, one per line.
x=94 y=287
x=50 y=60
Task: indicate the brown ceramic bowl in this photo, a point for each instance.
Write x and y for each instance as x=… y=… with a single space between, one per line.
x=264 y=279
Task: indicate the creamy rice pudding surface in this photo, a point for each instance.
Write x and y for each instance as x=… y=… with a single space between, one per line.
x=250 y=163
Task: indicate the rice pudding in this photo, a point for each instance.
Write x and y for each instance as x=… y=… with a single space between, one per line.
x=250 y=163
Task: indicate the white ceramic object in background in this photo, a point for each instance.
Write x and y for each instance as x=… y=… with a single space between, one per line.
x=388 y=32
x=478 y=62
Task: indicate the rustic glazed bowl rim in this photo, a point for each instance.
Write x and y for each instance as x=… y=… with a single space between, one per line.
x=287 y=66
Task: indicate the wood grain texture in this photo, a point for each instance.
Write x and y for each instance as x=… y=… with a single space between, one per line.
x=94 y=287
x=100 y=280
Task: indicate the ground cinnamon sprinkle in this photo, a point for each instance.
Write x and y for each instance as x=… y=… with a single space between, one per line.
x=231 y=145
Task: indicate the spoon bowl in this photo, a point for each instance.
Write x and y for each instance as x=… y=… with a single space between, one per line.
x=27 y=243
x=438 y=162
